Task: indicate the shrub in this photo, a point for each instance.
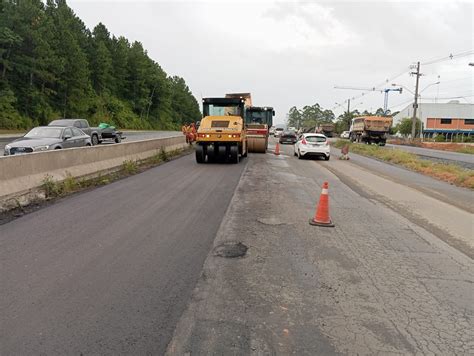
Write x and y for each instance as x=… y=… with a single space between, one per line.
x=50 y=187
x=130 y=167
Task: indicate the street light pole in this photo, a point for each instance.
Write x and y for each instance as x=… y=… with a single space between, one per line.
x=415 y=104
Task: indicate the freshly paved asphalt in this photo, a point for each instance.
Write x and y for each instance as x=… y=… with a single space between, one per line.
x=110 y=271
x=463 y=159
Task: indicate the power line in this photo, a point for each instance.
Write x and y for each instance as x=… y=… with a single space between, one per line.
x=450 y=57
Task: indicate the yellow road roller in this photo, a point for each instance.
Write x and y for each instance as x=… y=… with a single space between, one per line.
x=221 y=135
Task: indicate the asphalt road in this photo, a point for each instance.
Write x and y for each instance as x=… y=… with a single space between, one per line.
x=130 y=136
x=375 y=284
x=110 y=271
x=463 y=159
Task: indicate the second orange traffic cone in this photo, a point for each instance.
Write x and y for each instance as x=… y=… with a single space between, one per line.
x=321 y=217
x=277 y=149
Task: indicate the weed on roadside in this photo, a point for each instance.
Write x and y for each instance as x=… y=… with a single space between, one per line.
x=50 y=187
x=69 y=184
x=130 y=167
x=163 y=155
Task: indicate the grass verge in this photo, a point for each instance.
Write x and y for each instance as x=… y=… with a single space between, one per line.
x=446 y=172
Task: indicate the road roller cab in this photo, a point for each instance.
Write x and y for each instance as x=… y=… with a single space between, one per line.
x=258 y=122
x=221 y=135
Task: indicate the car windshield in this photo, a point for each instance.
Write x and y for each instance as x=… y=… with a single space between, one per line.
x=315 y=139
x=222 y=110
x=45 y=132
x=61 y=123
x=289 y=133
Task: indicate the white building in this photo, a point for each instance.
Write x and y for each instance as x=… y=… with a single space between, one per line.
x=453 y=109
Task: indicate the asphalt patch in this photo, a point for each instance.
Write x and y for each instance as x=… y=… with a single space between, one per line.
x=230 y=250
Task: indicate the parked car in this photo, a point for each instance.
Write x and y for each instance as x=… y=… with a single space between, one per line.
x=345 y=134
x=45 y=138
x=278 y=131
x=97 y=134
x=288 y=137
x=94 y=132
x=312 y=144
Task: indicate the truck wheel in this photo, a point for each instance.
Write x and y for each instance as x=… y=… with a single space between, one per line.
x=221 y=153
x=118 y=138
x=200 y=154
x=211 y=153
x=234 y=154
x=95 y=140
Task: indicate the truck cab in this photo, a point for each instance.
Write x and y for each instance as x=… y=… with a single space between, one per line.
x=221 y=134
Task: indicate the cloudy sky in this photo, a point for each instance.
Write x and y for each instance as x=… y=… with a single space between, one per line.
x=293 y=53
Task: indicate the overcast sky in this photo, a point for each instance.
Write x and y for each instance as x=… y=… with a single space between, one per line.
x=290 y=53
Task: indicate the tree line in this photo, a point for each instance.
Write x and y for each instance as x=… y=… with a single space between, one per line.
x=310 y=116
x=52 y=66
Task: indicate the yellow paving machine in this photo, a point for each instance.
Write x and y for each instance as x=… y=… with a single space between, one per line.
x=221 y=135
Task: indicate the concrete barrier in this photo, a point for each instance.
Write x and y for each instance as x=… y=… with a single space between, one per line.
x=19 y=174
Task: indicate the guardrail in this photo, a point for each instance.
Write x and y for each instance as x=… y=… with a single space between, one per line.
x=19 y=174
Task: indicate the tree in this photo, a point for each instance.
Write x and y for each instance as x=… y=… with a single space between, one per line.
x=294 y=117
x=404 y=126
x=52 y=65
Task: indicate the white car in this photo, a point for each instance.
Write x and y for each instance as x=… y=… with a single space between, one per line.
x=345 y=134
x=312 y=144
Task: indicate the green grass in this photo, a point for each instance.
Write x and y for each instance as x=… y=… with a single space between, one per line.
x=447 y=172
x=467 y=149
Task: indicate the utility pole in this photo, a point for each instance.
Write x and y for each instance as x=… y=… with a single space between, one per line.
x=349 y=118
x=415 y=104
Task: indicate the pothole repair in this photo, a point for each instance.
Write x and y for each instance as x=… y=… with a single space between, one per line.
x=230 y=250
x=270 y=221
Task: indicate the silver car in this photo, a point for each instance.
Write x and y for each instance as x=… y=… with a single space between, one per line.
x=44 y=138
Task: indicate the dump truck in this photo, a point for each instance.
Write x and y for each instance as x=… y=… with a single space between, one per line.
x=258 y=121
x=370 y=129
x=221 y=135
x=326 y=129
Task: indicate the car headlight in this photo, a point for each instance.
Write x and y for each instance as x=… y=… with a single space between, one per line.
x=7 y=147
x=41 y=148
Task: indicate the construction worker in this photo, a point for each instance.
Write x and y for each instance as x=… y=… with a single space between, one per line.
x=344 y=152
x=184 y=130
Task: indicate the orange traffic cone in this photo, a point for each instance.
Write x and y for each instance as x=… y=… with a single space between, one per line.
x=277 y=149
x=321 y=218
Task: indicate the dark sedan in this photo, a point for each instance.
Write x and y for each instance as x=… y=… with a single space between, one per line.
x=46 y=138
x=288 y=137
